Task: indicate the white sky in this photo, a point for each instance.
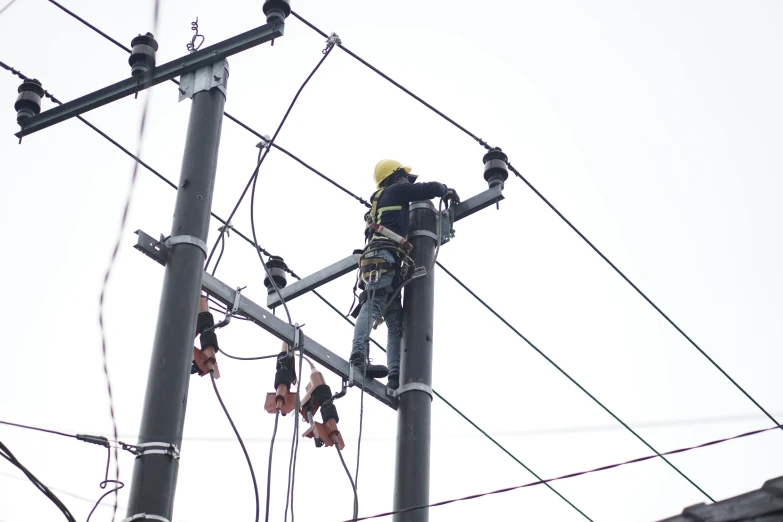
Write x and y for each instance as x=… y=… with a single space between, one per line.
x=654 y=126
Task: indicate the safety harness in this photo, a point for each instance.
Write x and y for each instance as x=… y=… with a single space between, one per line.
x=371 y=266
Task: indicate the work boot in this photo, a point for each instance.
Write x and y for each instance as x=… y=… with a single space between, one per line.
x=372 y=371
x=394 y=381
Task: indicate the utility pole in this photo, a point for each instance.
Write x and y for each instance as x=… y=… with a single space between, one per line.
x=163 y=418
x=414 y=396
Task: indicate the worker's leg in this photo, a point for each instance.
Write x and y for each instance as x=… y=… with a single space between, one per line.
x=376 y=296
x=394 y=337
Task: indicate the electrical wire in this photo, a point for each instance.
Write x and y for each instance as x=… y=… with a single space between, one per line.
x=571 y=475
x=559 y=214
x=353 y=485
x=7 y=455
x=239 y=438
x=112 y=260
x=574 y=381
x=269 y=467
x=294 y=444
x=6 y=6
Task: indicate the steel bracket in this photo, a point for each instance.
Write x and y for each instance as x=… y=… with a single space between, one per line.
x=214 y=75
x=411 y=386
x=157 y=448
x=156 y=250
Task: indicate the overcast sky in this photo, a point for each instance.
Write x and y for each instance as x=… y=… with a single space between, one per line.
x=654 y=126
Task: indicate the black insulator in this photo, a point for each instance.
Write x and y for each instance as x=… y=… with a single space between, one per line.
x=329 y=411
x=209 y=339
x=283 y=376
x=204 y=321
x=142 y=58
x=322 y=394
x=276 y=10
x=495 y=166
x=276 y=267
x=28 y=103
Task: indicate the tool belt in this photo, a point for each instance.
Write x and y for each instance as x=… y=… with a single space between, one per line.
x=372 y=268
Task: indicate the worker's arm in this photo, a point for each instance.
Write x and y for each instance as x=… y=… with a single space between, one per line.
x=420 y=191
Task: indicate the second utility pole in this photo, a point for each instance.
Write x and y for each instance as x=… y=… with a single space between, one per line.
x=163 y=417
x=412 y=473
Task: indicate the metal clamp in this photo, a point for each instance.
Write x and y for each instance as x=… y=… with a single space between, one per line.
x=297 y=338
x=425 y=233
x=264 y=143
x=144 y=516
x=159 y=448
x=410 y=387
x=187 y=240
x=208 y=77
x=423 y=205
x=229 y=314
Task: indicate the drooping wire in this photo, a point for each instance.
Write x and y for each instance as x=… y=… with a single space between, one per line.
x=353 y=485
x=112 y=260
x=571 y=475
x=294 y=443
x=559 y=214
x=105 y=482
x=239 y=438
x=574 y=381
x=269 y=467
x=7 y=455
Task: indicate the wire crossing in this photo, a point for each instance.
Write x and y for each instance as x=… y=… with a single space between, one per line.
x=559 y=214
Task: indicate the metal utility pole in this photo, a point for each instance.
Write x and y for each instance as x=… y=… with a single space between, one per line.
x=160 y=436
x=414 y=396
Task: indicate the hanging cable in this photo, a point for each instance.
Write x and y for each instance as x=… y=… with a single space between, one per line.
x=7 y=455
x=353 y=485
x=104 y=483
x=239 y=438
x=269 y=466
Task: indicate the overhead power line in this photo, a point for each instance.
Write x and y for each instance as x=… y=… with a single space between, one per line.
x=559 y=214
x=570 y=475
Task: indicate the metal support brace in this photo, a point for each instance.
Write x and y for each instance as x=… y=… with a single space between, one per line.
x=145 y=516
x=157 y=448
x=411 y=386
x=204 y=79
x=425 y=233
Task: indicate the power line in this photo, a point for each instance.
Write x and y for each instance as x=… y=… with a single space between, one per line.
x=574 y=381
x=559 y=214
x=239 y=438
x=7 y=455
x=570 y=475
x=6 y=6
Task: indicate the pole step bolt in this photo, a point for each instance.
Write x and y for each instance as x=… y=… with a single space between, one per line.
x=495 y=166
x=142 y=58
x=276 y=10
x=28 y=103
x=277 y=268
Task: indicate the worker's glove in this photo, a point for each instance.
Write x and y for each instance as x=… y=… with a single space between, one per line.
x=451 y=196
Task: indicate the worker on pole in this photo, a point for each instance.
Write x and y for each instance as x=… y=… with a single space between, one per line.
x=385 y=263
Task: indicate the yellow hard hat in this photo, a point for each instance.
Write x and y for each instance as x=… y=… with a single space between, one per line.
x=386 y=168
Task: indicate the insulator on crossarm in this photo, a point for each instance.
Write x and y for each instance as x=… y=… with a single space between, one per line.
x=28 y=103
x=276 y=10
x=142 y=58
x=495 y=167
x=277 y=268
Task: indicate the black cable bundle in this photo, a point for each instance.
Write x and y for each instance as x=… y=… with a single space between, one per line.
x=285 y=372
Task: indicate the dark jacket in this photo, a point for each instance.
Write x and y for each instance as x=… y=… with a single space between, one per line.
x=402 y=194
